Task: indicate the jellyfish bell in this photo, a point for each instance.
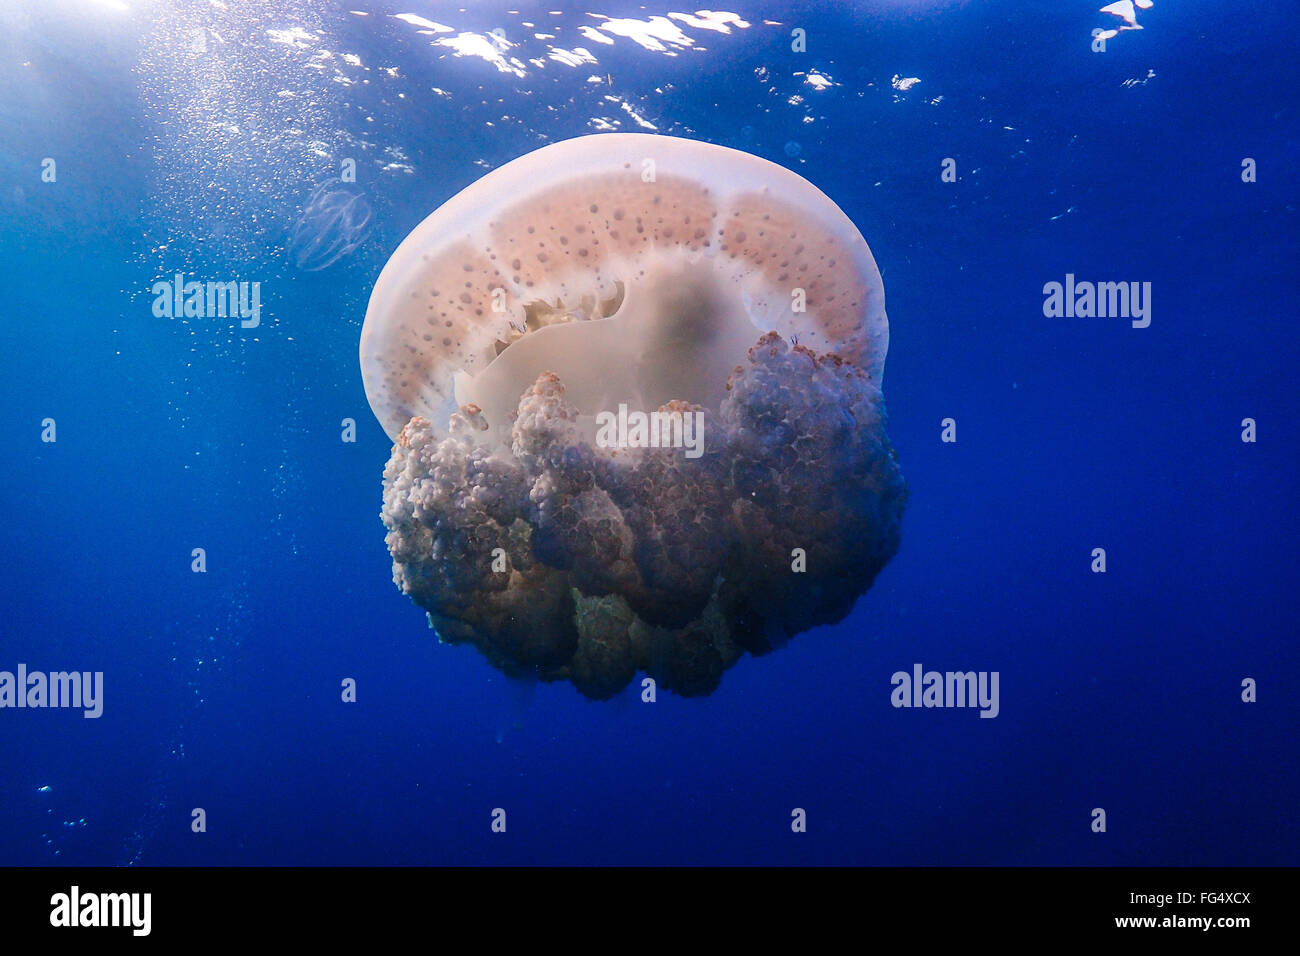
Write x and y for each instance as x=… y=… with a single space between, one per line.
x=633 y=263
x=668 y=276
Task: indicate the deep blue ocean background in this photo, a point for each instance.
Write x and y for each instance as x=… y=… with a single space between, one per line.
x=189 y=140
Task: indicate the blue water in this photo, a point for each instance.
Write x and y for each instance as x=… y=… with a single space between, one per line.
x=190 y=140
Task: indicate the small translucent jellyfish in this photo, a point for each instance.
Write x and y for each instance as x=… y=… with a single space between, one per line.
x=331 y=226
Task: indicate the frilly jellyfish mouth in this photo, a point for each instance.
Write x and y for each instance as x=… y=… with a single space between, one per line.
x=569 y=284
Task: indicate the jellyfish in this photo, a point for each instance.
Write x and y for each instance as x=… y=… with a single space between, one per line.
x=631 y=278
x=332 y=225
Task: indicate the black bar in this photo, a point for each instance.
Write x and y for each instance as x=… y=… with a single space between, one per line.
x=924 y=904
